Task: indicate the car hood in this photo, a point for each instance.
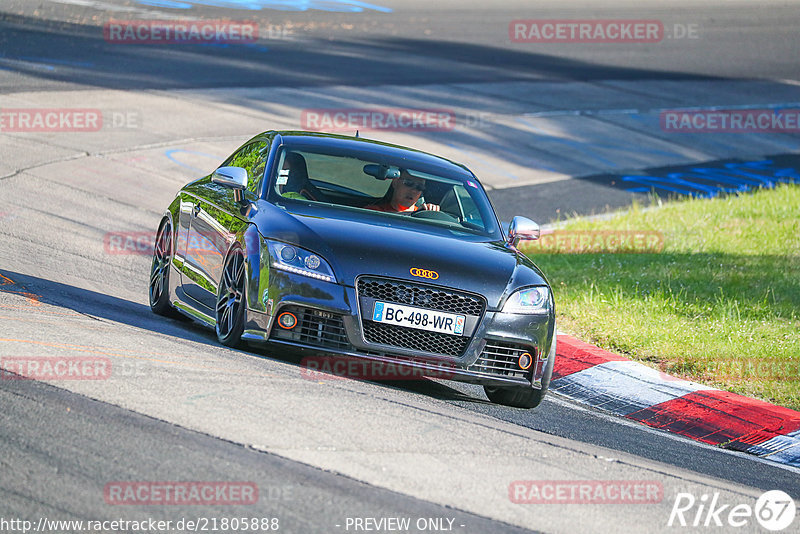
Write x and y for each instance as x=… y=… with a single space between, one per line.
x=355 y=244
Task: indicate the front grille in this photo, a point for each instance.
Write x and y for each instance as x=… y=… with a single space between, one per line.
x=501 y=358
x=421 y=296
x=314 y=327
x=413 y=339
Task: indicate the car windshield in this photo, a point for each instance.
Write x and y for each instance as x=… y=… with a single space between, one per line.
x=394 y=188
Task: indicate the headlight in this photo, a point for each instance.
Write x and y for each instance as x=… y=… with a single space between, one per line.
x=531 y=300
x=298 y=260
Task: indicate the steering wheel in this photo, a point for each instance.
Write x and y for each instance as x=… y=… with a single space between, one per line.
x=434 y=215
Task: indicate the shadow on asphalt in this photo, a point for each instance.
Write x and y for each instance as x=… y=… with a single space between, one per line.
x=285 y=63
x=38 y=53
x=111 y=308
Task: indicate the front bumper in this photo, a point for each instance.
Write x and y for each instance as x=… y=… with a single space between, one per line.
x=330 y=321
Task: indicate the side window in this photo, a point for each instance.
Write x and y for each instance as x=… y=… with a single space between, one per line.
x=471 y=213
x=252 y=158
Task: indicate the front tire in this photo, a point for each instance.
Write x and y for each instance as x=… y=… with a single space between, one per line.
x=159 y=272
x=231 y=300
x=517 y=397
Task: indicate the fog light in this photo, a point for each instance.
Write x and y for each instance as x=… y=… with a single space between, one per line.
x=525 y=361
x=287 y=320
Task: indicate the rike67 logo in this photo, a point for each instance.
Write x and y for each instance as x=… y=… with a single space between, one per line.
x=774 y=510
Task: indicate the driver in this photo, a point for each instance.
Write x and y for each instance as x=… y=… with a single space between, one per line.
x=403 y=195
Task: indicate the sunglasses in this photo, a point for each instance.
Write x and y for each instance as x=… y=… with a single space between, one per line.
x=414 y=185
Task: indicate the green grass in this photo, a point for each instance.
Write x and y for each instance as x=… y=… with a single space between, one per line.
x=719 y=304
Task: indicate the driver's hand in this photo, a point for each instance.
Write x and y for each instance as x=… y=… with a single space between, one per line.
x=431 y=207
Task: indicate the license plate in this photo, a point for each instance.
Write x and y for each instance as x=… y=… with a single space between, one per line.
x=419 y=318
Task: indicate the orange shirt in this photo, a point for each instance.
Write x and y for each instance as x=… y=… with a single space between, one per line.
x=387 y=207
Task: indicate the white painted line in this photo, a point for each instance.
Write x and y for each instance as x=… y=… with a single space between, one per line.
x=789 y=456
x=776 y=445
x=784 y=449
x=105 y=6
x=535 y=181
x=646 y=111
x=623 y=387
x=556 y=398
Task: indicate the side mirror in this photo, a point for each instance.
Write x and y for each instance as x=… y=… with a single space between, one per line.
x=522 y=229
x=232 y=177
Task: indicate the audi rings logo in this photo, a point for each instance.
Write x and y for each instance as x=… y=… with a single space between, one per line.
x=423 y=273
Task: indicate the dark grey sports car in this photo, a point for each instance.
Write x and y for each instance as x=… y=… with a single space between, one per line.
x=361 y=249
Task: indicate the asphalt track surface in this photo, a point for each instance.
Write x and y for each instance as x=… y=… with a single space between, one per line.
x=415 y=43
x=185 y=408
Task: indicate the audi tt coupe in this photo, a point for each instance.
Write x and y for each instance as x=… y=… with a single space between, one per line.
x=354 y=248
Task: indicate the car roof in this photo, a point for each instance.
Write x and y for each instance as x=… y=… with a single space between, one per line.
x=360 y=144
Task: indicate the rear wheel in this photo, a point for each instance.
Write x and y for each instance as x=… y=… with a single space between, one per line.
x=231 y=300
x=159 y=271
x=518 y=397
